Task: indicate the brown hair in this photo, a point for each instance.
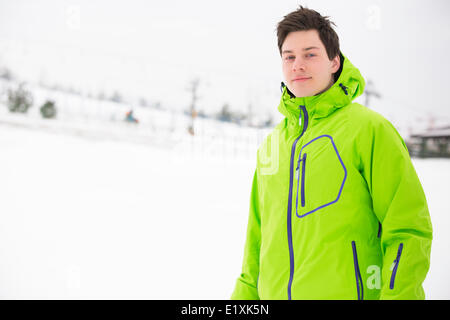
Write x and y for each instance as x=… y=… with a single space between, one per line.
x=304 y=19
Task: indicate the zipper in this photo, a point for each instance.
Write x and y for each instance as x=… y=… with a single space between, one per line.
x=359 y=282
x=395 y=265
x=289 y=213
x=297 y=170
x=297 y=175
x=303 y=180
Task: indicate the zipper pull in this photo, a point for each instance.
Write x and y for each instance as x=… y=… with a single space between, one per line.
x=399 y=252
x=297 y=170
x=393 y=264
x=300 y=116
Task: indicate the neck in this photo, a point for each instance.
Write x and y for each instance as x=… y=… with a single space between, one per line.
x=330 y=84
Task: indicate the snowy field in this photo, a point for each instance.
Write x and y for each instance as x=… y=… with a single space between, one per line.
x=102 y=218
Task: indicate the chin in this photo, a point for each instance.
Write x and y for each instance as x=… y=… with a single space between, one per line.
x=301 y=92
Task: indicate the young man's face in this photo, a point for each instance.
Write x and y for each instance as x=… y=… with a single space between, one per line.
x=306 y=67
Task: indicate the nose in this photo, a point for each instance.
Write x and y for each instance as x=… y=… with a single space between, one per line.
x=298 y=64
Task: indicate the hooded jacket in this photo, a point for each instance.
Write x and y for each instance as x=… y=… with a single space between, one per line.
x=336 y=209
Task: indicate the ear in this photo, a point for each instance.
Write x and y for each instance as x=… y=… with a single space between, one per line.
x=335 y=64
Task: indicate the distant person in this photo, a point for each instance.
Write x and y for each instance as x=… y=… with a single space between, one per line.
x=337 y=210
x=129 y=117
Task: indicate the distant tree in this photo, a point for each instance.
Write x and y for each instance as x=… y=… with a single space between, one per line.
x=5 y=73
x=48 y=110
x=19 y=100
x=268 y=122
x=225 y=113
x=143 y=102
x=116 y=97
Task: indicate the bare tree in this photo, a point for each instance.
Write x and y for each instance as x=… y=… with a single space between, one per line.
x=193 y=87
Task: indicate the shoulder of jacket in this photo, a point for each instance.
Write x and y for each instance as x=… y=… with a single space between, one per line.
x=368 y=124
x=362 y=116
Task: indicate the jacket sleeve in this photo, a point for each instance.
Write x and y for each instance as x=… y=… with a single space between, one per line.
x=246 y=284
x=400 y=205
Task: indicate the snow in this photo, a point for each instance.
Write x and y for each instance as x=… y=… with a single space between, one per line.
x=101 y=210
x=434 y=175
x=105 y=218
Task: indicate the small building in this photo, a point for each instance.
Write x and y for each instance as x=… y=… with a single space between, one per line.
x=433 y=143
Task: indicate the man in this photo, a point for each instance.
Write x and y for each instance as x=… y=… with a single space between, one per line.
x=337 y=210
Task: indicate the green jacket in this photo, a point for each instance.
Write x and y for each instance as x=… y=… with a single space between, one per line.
x=336 y=210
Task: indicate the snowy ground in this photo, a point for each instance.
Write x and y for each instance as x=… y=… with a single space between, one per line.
x=124 y=219
x=104 y=218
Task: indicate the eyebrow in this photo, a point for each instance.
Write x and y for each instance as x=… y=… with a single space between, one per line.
x=304 y=49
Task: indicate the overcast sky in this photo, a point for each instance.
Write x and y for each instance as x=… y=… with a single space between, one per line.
x=154 y=48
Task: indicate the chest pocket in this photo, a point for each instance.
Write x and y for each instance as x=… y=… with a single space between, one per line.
x=320 y=174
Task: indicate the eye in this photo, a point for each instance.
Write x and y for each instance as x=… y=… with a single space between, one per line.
x=290 y=58
x=311 y=55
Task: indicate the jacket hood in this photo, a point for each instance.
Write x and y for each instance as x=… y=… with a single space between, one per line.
x=348 y=85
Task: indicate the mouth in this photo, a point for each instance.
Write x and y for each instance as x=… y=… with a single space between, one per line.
x=301 y=79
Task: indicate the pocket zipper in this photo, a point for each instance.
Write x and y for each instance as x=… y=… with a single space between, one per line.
x=297 y=174
x=359 y=282
x=395 y=265
x=303 y=179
